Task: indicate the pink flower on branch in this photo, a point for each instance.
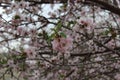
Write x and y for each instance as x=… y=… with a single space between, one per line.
x=62 y=44
x=21 y=31
x=30 y=52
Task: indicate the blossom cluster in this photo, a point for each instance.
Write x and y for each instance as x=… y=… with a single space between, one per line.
x=75 y=42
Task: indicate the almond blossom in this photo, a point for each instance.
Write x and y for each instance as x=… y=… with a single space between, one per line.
x=30 y=52
x=45 y=52
x=21 y=31
x=62 y=44
x=84 y=25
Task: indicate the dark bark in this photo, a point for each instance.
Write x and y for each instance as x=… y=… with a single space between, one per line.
x=106 y=6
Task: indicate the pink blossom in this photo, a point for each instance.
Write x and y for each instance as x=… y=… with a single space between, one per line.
x=117 y=76
x=14 y=6
x=36 y=44
x=84 y=25
x=30 y=52
x=33 y=32
x=62 y=44
x=86 y=22
x=111 y=44
x=21 y=31
x=23 y=4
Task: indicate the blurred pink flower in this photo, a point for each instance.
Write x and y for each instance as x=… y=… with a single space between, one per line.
x=111 y=44
x=21 y=31
x=33 y=32
x=30 y=52
x=86 y=22
x=62 y=44
x=23 y=4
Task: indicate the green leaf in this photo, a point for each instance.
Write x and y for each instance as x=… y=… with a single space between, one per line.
x=17 y=17
x=45 y=35
x=59 y=25
x=71 y=23
x=3 y=61
x=52 y=36
x=63 y=34
x=39 y=34
x=53 y=29
x=63 y=6
x=105 y=32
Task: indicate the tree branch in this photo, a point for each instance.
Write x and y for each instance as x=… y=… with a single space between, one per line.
x=106 y=6
x=102 y=4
